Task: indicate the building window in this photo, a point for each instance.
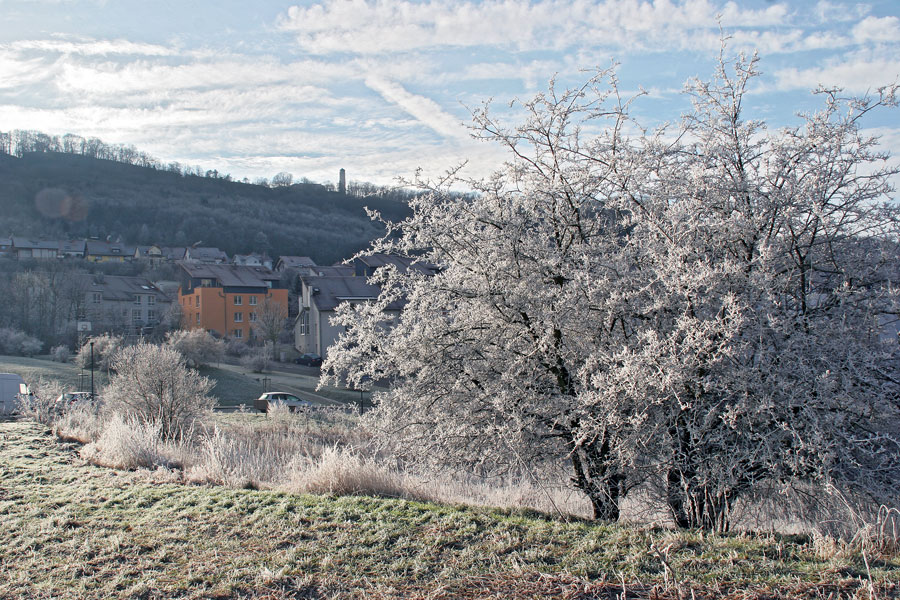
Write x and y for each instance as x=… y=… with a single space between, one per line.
x=238 y=333
x=198 y=318
x=136 y=315
x=238 y=300
x=151 y=300
x=253 y=317
x=238 y=317
x=198 y=301
x=151 y=315
x=304 y=323
x=137 y=299
x=190 y=300
x=252 y=301
x=97 y=297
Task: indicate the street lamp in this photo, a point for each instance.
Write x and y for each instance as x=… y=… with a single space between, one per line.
x=92 y=369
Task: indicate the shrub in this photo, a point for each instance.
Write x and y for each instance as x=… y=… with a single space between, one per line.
x=153 y=385
x=234 y=347
x=31 y=346
x=60 y=354
x=18 y=343
x=82 y=423
x=105 y=346
x=128 y=443
x=41 y=405
x=197 y=346
x=257 y=360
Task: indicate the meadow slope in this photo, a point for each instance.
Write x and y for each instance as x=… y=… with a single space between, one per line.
x=72 y=530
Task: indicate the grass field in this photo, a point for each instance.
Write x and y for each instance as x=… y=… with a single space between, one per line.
x=68 y=373
x=72 y=530
x=234 y=385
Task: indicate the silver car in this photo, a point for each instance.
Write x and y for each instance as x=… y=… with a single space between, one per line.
x=290 y=400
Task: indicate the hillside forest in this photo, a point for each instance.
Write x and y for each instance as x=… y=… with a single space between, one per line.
x=58 y=188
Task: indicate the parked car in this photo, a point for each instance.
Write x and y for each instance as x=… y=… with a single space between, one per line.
x=70 y=399
x=291 y=401
x=310 y=360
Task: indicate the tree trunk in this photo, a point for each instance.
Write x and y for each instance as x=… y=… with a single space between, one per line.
x=597 y=477
x=692 y=504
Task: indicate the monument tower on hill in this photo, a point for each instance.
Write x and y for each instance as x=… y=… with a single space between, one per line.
x=342 y=182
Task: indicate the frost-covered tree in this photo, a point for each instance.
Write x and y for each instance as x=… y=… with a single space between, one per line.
x=153 y=384
x=102 y=347
x=699 y=310
x=198 y=347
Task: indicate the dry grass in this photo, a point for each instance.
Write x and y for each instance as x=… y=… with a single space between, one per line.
x=316 y=451
x=127 y=443
x=74 y=530
x=340 y=471
x=326 y=452
x=81 y=423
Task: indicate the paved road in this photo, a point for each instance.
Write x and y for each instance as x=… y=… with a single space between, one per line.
x=298 y=380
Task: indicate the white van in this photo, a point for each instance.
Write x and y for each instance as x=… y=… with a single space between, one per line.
x=11 y=385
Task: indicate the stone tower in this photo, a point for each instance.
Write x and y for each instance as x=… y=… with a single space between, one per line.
x=342 y=182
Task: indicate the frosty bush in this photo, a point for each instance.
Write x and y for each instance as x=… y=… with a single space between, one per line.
x=257 y=360
x=41 y=404
x=235 y=347
x=60 y=353
x=18 y=343
x=153 y=385
x=105 y=346
x=198 y=346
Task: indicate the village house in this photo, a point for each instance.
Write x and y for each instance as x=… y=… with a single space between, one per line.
x=210 y=256
x=323 y=289
x=28 y=248
x=252 y=260
x=102 y=251
x=293 y=262
x=120 y=304
x=226 y=299
x=72 y=249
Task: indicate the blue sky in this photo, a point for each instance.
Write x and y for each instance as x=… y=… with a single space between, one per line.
x=381 y=87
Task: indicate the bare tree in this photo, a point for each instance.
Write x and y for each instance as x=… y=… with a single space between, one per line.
x=271 y=317
x=282 y=179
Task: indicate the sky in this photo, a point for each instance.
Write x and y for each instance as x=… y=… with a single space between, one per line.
x=384 y=87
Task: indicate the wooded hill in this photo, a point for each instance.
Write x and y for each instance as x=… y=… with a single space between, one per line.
x=60 y=195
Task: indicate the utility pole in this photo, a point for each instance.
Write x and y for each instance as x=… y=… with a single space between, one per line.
x=92 y=370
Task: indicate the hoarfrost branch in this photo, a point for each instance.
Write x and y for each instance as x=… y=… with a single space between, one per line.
x=700 y=310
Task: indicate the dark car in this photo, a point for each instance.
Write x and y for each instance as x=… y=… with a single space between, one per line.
x=310 y=360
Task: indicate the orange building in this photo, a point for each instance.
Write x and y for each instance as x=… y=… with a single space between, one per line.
x=227 y=299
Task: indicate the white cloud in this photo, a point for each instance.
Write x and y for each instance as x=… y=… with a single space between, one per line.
x=829 y=12
x=859 y=74
x=372 y=27
x=427 y=111
x=16 y=72
x=92 y=47
x=146 y=76
x=874 y=29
